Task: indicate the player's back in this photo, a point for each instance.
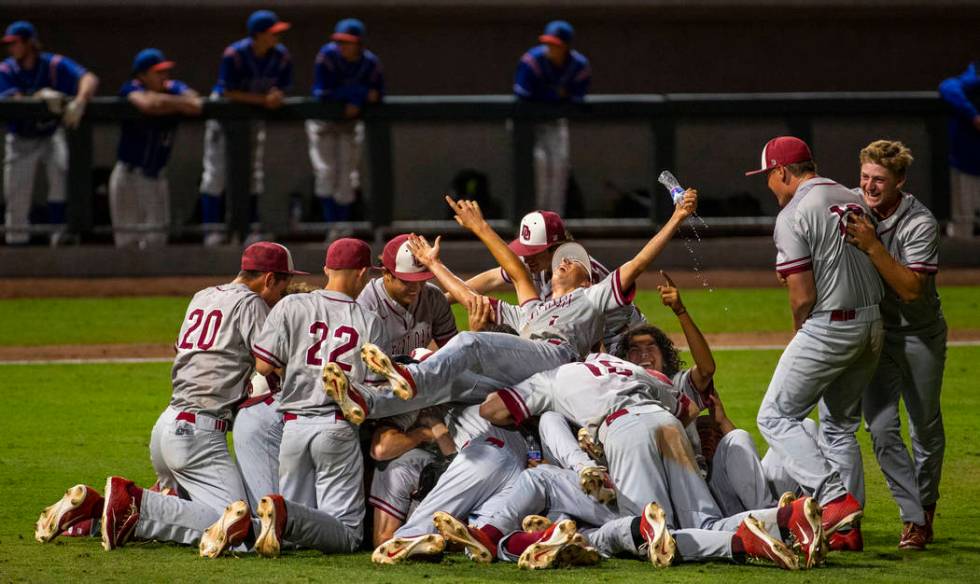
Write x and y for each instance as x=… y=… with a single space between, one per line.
x=306 y=331
x=817 y=215
x=214 y=349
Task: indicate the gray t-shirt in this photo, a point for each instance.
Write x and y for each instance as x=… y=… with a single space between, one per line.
x=911 y=236
x=809 y=235
x=577 y=317
x=429 y=318
x=214 y=357
x=618 y=321
x=306 y=331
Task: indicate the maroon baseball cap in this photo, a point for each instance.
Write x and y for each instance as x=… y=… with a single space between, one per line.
x=539 y=231
x=348 y=253
x=399 y=260
x=781 y=151
x=266 y=256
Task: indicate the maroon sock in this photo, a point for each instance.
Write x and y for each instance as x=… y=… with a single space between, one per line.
x=136 y=493
x=783 y=515
x=493 y=533
x=520 y=541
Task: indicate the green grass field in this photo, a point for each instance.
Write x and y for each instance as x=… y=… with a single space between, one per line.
x=64 y=424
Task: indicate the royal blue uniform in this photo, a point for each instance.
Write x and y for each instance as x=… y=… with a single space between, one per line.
x=242 y=70
x=962 y=93
x=145 y=143
x=538 y=79
x=337 y=79
x=50 y=70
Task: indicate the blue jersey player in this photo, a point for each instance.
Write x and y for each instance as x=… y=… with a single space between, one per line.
x=139 y=197
x=256 y=70
x=348 y=73
x=552 y=72
x=31 y=73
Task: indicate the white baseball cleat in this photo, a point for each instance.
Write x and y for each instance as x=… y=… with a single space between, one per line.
x=346 y=396
x=79 y=503
x=595 y=482
x=535 y=523
x=272 y=516
x=378 y=362
x=588 y=445
x=478 y=545
x=227 y=532
x=397 y=549
x=661 y=547
x=547 y=551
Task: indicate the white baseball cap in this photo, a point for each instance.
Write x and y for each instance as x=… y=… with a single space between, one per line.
x=397 y=258
x=539 y=231
x=573 y=252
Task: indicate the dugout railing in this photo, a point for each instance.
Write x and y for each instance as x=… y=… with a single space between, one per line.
x=661 y=112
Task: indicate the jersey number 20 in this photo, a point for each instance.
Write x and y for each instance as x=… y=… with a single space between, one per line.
x=209 y=326
x=320 y=332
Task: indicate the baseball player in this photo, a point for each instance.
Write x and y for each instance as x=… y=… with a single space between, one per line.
x=539 y=235
x=256 y=70
x=31 y=73
x=834 y=293
x=139 y=195
x=962 y=96
x=552 y=72
x=188 y=446
x=553 y=333
x=904 y=248
x=345 y=72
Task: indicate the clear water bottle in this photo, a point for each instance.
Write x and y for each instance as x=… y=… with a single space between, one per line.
x=672 y=185
x=533 y=449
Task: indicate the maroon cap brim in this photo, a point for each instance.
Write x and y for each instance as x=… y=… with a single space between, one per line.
x=414 y=276
x=526 y=250
x=759 y=171
x=297 y=273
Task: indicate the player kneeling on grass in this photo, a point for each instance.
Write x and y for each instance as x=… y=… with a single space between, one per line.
x=188 y=446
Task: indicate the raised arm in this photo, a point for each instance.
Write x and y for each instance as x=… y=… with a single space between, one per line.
x=468 y=215
x=631 y=270
x=704 y=361
x=428 y=256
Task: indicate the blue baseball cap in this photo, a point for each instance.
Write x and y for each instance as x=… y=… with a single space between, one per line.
x=350 y=30
x=20 y=30
x=266 y=21
x=151 y=60
x=557 y=32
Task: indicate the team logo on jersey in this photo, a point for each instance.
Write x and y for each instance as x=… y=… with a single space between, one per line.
x=842 y=211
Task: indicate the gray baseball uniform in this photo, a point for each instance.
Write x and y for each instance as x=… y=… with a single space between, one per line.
x=257 y=436
x=429 y=318
x=617 y=321
x=831 y=359
x=188 y=446
x=911 y=367
x=320 y=465
x=737 y=478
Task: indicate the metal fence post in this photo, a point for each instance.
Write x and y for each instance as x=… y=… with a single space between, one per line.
x=938 y=129
x=79 y=195
x=664 y=133
x=238 y=183
x=522 y=151
x=382 y=169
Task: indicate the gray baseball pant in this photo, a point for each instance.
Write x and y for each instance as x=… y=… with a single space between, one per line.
x=559 y=446
x=257 y=435
x=141 y=202
x=335 y=154
x=551 y=164
x=19 y=165
x=395 y=480
x=911 y=368
x=738 y=480
x=830 y=363
x=215 y=161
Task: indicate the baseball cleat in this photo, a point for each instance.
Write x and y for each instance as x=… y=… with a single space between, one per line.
x=846 y=540
x=930 y=519
x=913 y=537
x=79 y=503
x=840 y=513
x=228 y=531
x=588 y=445
x=661 y=547
x=83 y=528
x=806 y=528
x=272 y=516
x=120 y=512
x=477 y=544
x=378 y=362
x=759 y=545
x=398 y=549
x=595 y=482
x=577 y=553
x=786 y=498
x=547 y=551
x=535 y=523
x=341 y=391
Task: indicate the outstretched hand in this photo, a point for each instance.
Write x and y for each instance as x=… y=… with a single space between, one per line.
x=468 y=213
x=425 y=254
x=670 y=296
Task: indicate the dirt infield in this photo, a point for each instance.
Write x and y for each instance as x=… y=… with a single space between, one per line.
x=185 y=286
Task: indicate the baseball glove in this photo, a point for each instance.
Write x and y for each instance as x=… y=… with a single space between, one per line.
x=430 y=476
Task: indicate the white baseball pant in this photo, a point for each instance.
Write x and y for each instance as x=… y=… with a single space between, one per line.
x=830 y=362
x=335 y=154
x=551 y=164
x=737 y=479
x=257 y=435
x=19 y=165
x=965 y=203
x=911 y=368
x=558 y=445
x=215 y=176
x=136 y=200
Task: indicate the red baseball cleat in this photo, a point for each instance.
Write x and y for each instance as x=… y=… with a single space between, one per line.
x=398 y=377
x=477 y=544
x=397 y=549
x=272 y=515
x=806 y=527
x=846 y=540
x=840 y=513
x=913 y=537
x=348 y=398
x=78 y=504
x=120 y=512
x=227 y=532
x=759 y=545
x=660 y=543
